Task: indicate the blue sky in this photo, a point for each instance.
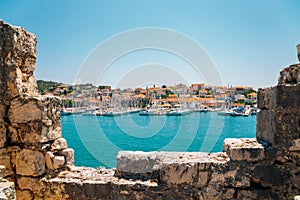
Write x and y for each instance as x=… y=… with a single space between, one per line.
x=248 y=41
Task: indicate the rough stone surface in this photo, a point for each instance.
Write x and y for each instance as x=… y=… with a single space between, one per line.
x=131 y=161
x=37 y=159
x=2 y=134
x=58 y=162
x=248 y=150
x=279 y=97
x=18 y=56
x=2 y=168
x=180 y=174
x=69 y=156
x=7 y=190
x=29 y=122
x=49 y=160
x=295 y=145
x=164 y=165
x=59 y=144
x=30 y=163
x=290 y=75
x=24 y=112
x=54 y=162
x=24 y=194
x=34 y=120
x=278 y=122
x=28 y=183
x=7 y=159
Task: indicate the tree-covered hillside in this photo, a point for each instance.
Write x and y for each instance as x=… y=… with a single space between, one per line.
x=44 y=86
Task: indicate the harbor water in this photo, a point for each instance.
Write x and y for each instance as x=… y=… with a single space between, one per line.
x=97 y=139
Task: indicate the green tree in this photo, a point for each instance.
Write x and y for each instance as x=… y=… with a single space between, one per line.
x=168 y=92
x=44 y=86
x=246 y=92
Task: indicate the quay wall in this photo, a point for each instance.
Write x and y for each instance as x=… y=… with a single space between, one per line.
x=36 y=163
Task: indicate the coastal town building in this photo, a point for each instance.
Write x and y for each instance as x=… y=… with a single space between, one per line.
x=193 y=96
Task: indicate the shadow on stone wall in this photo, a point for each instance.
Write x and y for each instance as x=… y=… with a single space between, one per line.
x=40 y=166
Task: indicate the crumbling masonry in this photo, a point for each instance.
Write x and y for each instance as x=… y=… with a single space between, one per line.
x=39 y=165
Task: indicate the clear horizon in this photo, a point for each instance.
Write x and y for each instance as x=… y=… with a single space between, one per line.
x=248 y=42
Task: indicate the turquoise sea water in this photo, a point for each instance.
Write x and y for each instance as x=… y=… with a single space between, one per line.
x=97 y=139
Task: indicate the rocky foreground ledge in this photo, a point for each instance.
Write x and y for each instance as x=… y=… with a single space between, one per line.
x=161 y=175
x=247 y=169
x=39 y=165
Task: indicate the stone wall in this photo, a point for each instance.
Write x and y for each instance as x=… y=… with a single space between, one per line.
x=40 y=165
x=31 y=146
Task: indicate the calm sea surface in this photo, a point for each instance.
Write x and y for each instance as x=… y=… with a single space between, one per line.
x=97 y=140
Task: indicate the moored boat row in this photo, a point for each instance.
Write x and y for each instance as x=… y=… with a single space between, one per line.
x=239 y=111
x=236 y=111
x=178 y=112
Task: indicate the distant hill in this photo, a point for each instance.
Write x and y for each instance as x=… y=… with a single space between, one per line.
x=44 y=86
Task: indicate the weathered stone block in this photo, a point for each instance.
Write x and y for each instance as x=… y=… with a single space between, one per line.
x=278 y=127
x=7 y=190
x=69 y=156
x=171 y=168
x=280 y=96
x=5 y=161
x=265 y=126
x=296 y=179
x=138 y=162
x=51 y=133
x=58 y=162
x=2 y=107
x=30 y=163
x=246 y=194
x=2 y=168
x=229 y=178
x=2 y=134
x=270 y=175
x=18 y=55
x=35 y=120
x=29 y=183
x=48 y=158
x=24 y=194
x=288 y=97
x=216 y=193
x=246 y=149
x=228 y=193
x=54 y=162
x=294 y=157
x=290 y=75
x=203 y=178
x=59 y=144
x=34 y=133
x=40 y=108
x=295 y=146
x=7 y=158
x=25 y=111
x=179 y=173
x=266 y=98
